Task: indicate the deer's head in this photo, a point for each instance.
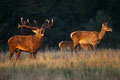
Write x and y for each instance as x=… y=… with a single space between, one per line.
x=105 y=27
x=38 y=31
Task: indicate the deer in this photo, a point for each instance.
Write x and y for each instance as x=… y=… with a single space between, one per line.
x=86 y=47
x=28 y=43
x=65 y=45
x=92 y=38
x=68 y=45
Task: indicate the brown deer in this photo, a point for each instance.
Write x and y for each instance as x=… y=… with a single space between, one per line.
x=86 y=47
x=28 y=43
x=65 y=45
x=89 y=37
x=68 y=45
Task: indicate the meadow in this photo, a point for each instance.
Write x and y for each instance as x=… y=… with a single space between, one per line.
x=57 y=65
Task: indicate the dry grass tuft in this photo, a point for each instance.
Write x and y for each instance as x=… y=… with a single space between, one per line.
x=56 y=65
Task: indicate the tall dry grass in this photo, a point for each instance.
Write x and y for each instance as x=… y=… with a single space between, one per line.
x=56 y=65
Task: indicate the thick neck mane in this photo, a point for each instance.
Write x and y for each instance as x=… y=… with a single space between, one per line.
x=36 y=41
x=37 y=38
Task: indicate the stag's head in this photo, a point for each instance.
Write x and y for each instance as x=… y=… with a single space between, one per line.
x=105 y=27
x=38 y=31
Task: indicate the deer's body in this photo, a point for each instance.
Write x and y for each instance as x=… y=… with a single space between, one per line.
x=89 y=37
x=27 y=43
x=85 y=46
x=85 y=37
x=65 y=45
x=68 y=45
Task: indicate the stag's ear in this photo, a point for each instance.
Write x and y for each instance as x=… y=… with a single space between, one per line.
x=34 y=31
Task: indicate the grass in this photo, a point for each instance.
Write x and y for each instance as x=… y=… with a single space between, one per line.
x=56 y=65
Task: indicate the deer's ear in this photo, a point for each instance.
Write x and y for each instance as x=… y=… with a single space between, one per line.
x=103 y=24
x=34 y=31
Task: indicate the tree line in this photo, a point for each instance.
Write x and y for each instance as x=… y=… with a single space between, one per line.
x=68 y=15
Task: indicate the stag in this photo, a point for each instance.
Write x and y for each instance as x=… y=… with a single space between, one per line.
x=28 y=43
x=89 y=37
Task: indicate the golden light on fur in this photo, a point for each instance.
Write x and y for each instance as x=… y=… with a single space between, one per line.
x=89 y=37
x=28 y=43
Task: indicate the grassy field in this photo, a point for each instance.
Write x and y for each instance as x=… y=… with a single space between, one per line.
x=56 y=65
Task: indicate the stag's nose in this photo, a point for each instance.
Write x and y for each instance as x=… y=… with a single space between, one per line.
x=42 y=34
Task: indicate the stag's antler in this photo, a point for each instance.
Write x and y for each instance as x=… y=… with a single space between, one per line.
x=23 y=24
x=46 y=21
x=28 y=21
x=36 y=23
x=49 y=25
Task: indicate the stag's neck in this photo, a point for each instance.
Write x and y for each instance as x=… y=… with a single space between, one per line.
x=38 y=38
x=101 y=34
x=36 y=41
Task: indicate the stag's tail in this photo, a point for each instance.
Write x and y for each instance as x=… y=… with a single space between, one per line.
x=10 y=41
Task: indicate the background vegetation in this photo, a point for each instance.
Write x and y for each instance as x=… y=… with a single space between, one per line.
x=68 y=15
x=56 y=65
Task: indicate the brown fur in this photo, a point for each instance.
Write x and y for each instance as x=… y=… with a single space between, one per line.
x=85 y=47
x=65 y=45
x=89 y=37
x=29 y=43
x=68 y=45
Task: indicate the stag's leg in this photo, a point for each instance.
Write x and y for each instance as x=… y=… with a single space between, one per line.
x=34 y=55
x=94 y=47
x=31 y=56
x=17 y=54
x=11 y=52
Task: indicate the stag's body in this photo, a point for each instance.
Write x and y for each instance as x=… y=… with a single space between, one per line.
x=27 y=43
x=89 y=37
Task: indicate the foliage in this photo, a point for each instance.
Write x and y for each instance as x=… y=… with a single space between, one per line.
x=68 y=15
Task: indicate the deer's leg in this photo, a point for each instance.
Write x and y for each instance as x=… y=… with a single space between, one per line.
x=34 y=55
x=88 y=47
x=74 y=47
x=31 y=56
x=17 y=54
x=85 y=47
x=61 y=49
x=94 y=47
x=11 y=52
